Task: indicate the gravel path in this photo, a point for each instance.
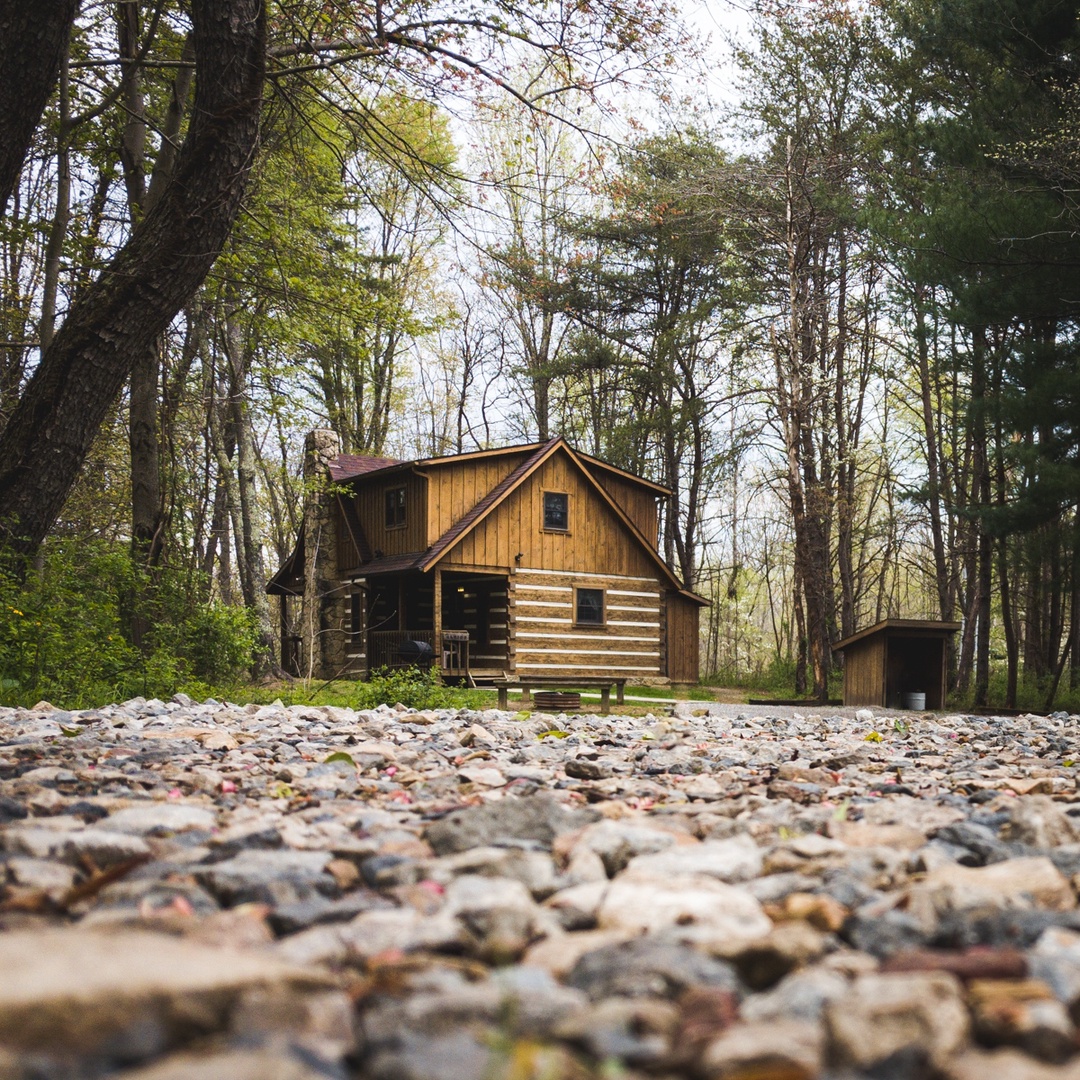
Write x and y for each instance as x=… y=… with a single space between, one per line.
x=193 y=890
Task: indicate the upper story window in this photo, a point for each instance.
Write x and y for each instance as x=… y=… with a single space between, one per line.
x=589 y=607
x=395 y=507
x=557 y=511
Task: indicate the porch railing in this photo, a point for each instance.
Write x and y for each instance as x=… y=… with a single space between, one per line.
x=418 y=648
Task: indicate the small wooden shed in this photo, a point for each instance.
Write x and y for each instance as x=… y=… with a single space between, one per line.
x=890 y=664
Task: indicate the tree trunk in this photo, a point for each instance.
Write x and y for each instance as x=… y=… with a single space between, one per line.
x=981 y=477
x=54 y=248
x=34 y=34
x=249 y=540
x=133 y=301
x=933 y=468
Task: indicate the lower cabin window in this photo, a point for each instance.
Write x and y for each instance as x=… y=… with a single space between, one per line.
x=589 y=607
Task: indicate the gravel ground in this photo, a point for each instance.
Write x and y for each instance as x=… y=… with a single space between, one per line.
x=193 y=890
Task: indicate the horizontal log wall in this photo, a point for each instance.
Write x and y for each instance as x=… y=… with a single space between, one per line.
x=547 y=640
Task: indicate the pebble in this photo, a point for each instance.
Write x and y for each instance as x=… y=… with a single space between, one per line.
x=202 y=889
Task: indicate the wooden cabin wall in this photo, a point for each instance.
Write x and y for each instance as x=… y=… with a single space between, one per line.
x=864 y=673
x=637 y=502
x=596 y=552
x=546 y=640
x=682 y=639
x=348 y=555
x=596 y=541
x=456 y=487
x=371 y=509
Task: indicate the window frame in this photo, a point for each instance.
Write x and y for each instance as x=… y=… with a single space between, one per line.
x=590 y=624
x=393 y=511
x=544 y=526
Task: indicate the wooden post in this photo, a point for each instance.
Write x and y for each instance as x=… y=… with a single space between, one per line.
x=436 y=617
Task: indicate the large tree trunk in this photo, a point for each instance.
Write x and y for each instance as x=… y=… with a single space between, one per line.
x=139 y=293
x=33 y=39
x=249 y=539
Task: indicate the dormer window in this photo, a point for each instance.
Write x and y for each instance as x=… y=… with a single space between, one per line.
x=556 y=511
x=395 y=508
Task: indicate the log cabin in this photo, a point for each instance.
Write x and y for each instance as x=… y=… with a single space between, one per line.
x=534 y=562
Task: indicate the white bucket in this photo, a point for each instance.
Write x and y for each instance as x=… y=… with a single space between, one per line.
x=915 y=701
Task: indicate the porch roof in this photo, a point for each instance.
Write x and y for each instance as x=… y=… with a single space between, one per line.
x=389 y=564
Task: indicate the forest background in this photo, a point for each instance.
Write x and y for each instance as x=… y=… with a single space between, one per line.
x=834 y=309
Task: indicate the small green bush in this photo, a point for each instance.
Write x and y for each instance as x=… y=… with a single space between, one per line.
x=416 y=688
x=65 y=631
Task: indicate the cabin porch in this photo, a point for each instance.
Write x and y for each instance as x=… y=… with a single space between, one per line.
x=457 y=620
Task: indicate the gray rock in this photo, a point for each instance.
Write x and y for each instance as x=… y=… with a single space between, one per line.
x=781 y=1048
x=645 y=967
x=802 y=995
x=538 y=818
x=700 y=910
x=499 y=913
x=882 y=1016
x=734 y=860
x=236 y=1065
x=126 y=995
x=273 y=877
x=161 y=818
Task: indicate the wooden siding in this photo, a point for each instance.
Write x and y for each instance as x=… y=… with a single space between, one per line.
x=596 y=542
x=682 y=639
x=348 y=557
x=638 y=503
x=864 y=673
x=455 y=488
x=371 y=510
x=547 y=641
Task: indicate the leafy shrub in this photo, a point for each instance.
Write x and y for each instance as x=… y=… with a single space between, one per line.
x=64 y=631
x=416 y=688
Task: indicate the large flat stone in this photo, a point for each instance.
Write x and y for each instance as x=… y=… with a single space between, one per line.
x=124 y=995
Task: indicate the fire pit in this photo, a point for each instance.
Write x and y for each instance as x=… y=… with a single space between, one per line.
x=557 y=701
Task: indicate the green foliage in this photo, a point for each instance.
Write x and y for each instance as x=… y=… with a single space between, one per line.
x=63 y=632
x=216 y=640
x=413 y=687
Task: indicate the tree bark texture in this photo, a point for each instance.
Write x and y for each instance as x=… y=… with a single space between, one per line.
x=33 y=39
x=139 y=293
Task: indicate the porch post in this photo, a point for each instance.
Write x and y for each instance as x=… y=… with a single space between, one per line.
x=286 y=666
x=436 y=617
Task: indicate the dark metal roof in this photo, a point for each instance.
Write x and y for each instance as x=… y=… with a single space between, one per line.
x=389 y=564
x=348 y=466
x=918 y=627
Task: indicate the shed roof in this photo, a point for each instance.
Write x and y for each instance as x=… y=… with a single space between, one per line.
x=919 y=627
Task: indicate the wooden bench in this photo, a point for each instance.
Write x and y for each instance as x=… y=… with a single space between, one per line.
x=528 y=683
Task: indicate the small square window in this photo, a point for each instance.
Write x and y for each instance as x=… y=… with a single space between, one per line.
x=395 y=507
x=556 y=510
x=589 y=607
